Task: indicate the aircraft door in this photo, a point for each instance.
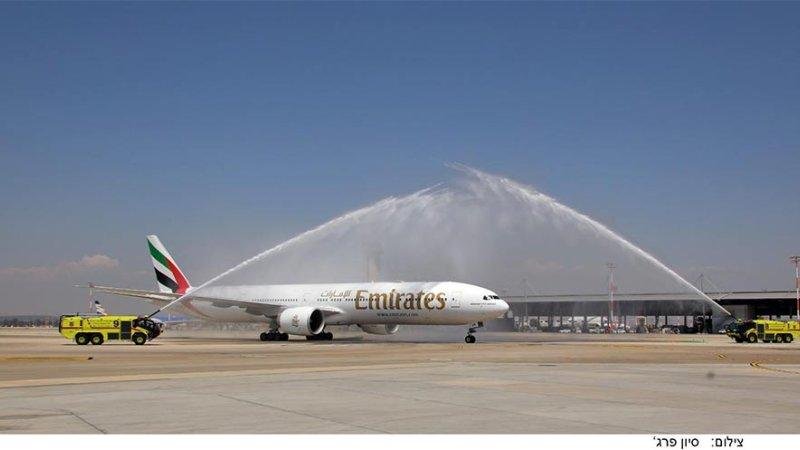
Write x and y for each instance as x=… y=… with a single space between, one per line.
x=455 y=300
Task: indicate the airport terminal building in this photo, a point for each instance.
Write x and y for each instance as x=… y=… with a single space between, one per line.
x=660 y=308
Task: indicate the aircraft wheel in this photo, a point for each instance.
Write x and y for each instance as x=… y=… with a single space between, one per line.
x=139 y=338
x=283 y=337
x=470 y=339
x=97 y=339
x=324 y=336
x=263 y=337
x=81 y=339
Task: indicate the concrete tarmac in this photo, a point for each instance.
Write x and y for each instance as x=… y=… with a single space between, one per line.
x=196 y=382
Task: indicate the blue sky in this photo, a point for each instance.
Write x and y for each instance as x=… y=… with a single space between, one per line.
x=226 y=128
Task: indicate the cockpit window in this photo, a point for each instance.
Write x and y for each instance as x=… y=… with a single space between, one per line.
x=491 y=297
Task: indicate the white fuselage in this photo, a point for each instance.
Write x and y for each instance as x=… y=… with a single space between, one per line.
x=413 y=303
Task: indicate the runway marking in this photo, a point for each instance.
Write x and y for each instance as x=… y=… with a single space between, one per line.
x=188 y=375
x=75 y=415
x=721 y=356
x=324 y=419
x=31 y=416
x=757 y=365
x=44 y=358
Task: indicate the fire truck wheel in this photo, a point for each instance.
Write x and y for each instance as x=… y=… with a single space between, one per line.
x=139 y=338
x=752 y=338
x=97 y=339
x=779 y=338
x=81 y=339
x=788 y=338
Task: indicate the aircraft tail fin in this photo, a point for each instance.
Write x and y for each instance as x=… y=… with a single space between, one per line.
x=169 y=276
x=98 y=308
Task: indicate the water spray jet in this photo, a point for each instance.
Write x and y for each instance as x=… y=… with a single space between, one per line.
x=481 y=228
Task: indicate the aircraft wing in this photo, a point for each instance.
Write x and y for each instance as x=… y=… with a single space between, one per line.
x=163 y=298
x=255 y=308
x=158 y=297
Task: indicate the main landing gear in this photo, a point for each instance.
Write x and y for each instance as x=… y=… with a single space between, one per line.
x=324 y=336
x=274 y=335
x=470 y=339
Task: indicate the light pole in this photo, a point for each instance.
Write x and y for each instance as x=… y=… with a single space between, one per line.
x=611 y=289
x=525 y=294
x=796 y=260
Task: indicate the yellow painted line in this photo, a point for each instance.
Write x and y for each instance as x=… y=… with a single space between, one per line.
x=205 y=374
x=43 y=358
x=757 y=365
x=721 y=356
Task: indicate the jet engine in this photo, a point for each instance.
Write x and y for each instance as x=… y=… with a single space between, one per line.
x=380 y=329
x=303 y=320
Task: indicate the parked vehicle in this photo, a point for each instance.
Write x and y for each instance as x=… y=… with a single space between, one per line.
x=752 y=331
x=671 y=329
x=595 y=328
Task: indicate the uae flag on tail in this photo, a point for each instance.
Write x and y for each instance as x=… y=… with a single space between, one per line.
x=169 y=276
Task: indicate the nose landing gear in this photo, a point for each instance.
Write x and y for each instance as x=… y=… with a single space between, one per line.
x=470 y=339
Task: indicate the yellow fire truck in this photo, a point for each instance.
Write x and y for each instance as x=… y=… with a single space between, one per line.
x=753 y=331
x=98 y=329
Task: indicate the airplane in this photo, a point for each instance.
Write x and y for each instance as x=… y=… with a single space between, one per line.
x=306 y=309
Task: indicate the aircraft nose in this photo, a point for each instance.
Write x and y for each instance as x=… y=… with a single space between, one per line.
x=502 y=307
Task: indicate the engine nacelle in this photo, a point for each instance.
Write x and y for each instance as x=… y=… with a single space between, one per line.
x=380 y=329
x=303 y=320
